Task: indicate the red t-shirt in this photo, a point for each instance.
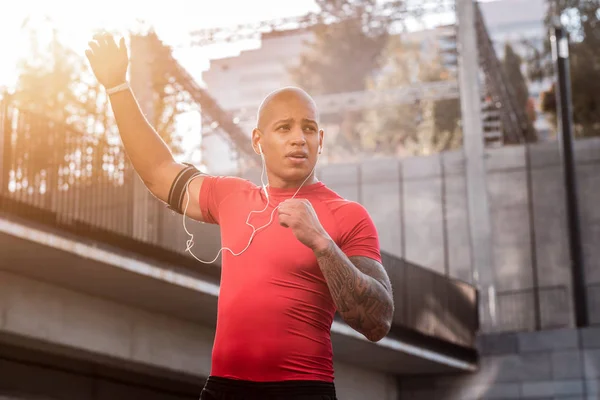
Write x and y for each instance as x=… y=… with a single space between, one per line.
x=275 y=310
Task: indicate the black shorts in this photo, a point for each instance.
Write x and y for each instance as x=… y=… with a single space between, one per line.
x=231 y=389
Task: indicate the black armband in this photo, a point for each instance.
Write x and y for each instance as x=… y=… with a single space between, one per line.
x=179 y=185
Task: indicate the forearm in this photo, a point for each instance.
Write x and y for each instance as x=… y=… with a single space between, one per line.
x=143 y=145
x=362 y=301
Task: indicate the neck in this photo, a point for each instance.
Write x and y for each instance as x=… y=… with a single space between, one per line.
x=279 y=183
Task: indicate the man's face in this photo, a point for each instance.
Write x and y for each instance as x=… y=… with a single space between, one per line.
x=290 y=137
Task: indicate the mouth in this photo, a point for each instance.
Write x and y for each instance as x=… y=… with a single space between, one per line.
x=297 y=156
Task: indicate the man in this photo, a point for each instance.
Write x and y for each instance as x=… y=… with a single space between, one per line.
x=280 y=290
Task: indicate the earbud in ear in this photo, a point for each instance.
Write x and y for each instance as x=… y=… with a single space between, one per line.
x=320 y=149
x=259 y=149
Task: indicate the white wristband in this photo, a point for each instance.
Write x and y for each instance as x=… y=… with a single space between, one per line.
x=119 y=88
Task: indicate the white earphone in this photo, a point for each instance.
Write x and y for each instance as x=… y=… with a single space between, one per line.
x=264 y=186
x=190 y=241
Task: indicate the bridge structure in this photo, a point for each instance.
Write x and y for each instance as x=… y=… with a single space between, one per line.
x=98 y=298
x=504 y=122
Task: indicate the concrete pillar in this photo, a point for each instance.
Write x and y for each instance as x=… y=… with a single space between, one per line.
x=473 y=147
x=4 y=128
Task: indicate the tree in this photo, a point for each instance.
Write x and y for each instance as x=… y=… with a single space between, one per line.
x=53 y=100
x=357 y=52
x=512 y=68
x=424 y=127
x=342 y=56
x=582 y=21
x=70 y=124
x=344 y=53
x=339 y=60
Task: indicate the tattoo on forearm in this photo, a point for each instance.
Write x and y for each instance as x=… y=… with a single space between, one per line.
x=360 y=289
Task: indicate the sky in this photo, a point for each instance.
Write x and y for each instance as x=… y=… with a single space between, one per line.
x=172 y=19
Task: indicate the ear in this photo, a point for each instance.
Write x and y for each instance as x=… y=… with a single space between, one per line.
x=256 y=134
x=321 y=134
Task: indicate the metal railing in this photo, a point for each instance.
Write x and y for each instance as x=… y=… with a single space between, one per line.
x=83 y=183
x=49 y=167
x=431 y=303
x=212 y=112
x=515 y=124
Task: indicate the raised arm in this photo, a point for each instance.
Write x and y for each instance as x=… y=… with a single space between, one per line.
x=149 y=154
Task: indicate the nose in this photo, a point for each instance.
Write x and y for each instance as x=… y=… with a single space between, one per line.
x=298 y=138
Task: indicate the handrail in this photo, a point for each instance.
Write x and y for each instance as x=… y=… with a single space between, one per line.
x=71 y=180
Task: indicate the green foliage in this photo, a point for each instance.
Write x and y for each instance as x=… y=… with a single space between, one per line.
x=358 y=53
x=582 y=21
x=73 y=114
x=421 y=128
x=339 y=60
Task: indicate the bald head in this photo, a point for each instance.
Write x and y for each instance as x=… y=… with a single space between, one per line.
x=275 y=105
x=287 y=136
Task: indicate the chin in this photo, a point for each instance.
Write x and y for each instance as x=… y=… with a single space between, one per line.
x=296 y=174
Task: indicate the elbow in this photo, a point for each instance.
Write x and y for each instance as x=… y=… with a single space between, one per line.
x=379 y=332
x=382 y=326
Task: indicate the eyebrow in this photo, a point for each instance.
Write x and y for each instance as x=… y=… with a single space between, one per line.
x=281 y=121
x=305 y=120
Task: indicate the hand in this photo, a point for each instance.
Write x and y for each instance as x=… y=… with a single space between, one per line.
x=300 y=216
x=109 y=62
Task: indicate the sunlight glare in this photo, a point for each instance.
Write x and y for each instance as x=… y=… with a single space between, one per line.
x=173 y=20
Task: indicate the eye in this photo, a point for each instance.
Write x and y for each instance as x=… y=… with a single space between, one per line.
x=310 y=128
x=285 y=127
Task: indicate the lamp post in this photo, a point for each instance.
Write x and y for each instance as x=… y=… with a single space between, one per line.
x=560 y=55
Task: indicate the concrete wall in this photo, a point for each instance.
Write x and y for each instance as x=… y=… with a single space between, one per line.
x=420 y=208
x=29 y=381
x=154 y=343
x=551 y=365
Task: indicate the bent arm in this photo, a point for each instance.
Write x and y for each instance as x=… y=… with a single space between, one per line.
x=149 y=154
x=361 y=291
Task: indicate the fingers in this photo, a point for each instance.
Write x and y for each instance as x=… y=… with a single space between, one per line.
x=90 y=56
x=105 y=41
x=286 y=206
x=122 y=46
x=283 y=220
x=110 y=41
x=282 y=210
x=103 y=37
x=95 y=47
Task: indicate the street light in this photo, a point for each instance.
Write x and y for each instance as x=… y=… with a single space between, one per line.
x=560 y=55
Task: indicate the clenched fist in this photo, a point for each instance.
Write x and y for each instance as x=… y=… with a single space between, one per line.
x=109 y=62
x=300 y=216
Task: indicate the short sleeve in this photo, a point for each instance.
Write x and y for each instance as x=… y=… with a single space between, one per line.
x=214 y=190
x=358 y=234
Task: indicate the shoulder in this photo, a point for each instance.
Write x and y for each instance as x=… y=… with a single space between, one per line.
x=347 y=210
x=226 y=184
x=357 y=233
x=348 y=214
x=215 y=189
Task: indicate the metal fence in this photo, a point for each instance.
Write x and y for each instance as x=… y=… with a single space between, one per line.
x=85 y=184
x=431 y=303
x=49 y=167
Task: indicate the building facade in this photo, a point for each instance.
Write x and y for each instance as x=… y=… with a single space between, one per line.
x=242 y=82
